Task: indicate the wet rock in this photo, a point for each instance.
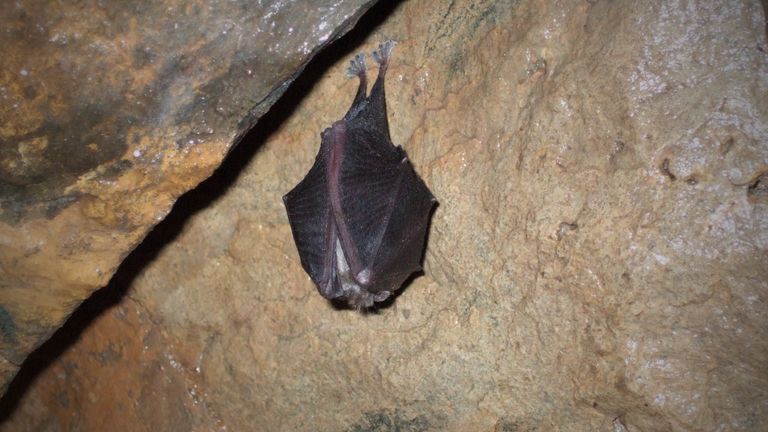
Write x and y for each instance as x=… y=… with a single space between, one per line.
x=108 y=113
x=597 y=261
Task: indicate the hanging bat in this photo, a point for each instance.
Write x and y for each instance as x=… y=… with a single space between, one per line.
x=360 y=216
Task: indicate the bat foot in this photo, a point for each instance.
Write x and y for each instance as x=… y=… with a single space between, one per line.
x=357 y=66
x=381 y=55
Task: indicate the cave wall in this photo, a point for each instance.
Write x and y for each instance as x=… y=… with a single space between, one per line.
x=597 y=262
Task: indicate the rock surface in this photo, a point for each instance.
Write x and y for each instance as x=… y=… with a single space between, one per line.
x=599 y=260
x=108 y=113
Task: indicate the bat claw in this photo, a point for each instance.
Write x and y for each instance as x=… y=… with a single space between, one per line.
x=357 y=66
x=381 y=55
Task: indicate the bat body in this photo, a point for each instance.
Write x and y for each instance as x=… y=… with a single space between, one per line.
x=360 y=216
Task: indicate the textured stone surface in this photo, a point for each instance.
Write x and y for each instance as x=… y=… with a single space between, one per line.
x=599 y=257
x=108 y=112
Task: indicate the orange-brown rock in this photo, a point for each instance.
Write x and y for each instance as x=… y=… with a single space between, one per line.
x=108 y=112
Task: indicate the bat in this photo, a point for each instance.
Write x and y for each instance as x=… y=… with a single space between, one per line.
x=360 y=216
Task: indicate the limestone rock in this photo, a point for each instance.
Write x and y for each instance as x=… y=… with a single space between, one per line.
x=109 y=112
x=597 y=261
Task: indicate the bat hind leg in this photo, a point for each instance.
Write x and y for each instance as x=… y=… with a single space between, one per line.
x=357 y=67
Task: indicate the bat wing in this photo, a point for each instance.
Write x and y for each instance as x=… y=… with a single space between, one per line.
x=309 y=213
x=402 y=245
x=386 y=207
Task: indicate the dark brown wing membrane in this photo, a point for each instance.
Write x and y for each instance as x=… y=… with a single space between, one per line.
x=402 y=245
x=370 y=178
x=309 y=213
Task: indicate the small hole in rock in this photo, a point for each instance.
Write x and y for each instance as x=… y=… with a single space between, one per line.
x=665 y=170
x=759 y=187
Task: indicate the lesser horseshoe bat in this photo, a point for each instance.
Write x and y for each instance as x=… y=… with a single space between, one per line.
x=360 y=216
